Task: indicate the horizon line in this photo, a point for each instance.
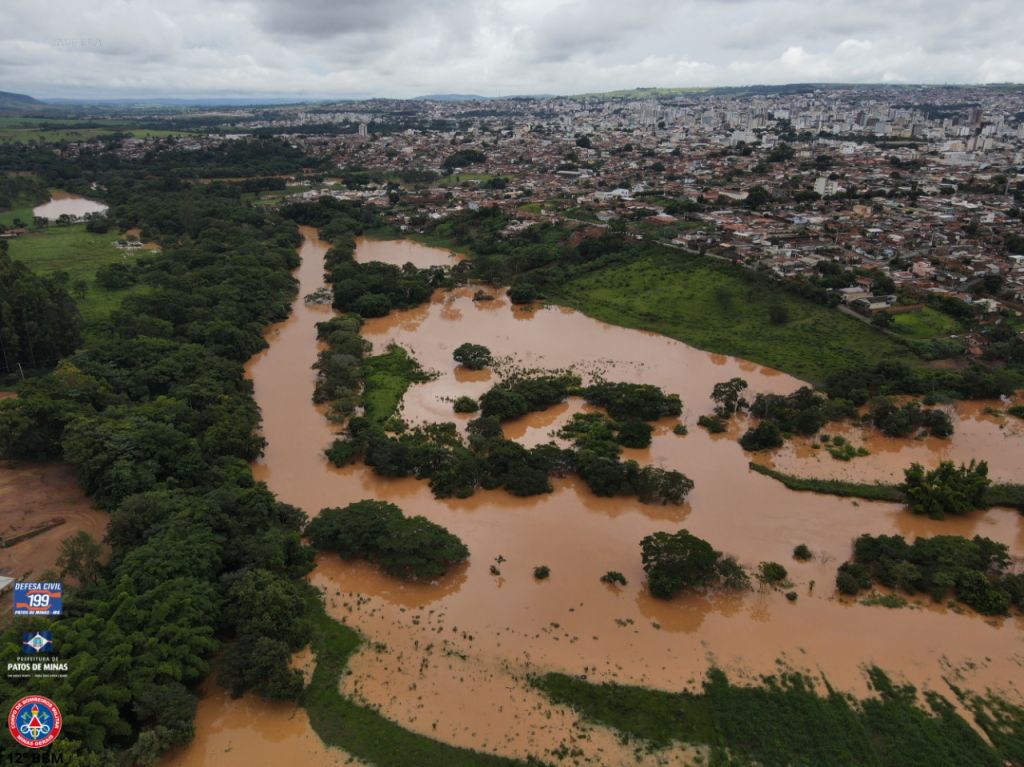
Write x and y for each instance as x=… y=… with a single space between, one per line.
x=284 y=98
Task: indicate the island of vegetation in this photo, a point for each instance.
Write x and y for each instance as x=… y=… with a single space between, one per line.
x=413 y=548
x=133 y=373
x=975 y=571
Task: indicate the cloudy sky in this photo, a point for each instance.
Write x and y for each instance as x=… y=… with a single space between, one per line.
x=357 y=48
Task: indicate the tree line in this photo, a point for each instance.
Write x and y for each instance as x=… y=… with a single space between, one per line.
x=39 y=321
x=159 y=420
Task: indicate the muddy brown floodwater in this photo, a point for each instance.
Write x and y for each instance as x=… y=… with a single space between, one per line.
x=62 y=203
x=450 y=658
x=32 y=494
x=401 y=252
x=254 y=733
x=983 y=430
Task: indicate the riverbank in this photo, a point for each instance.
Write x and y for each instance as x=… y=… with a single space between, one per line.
x=361 y=731
x=34 y=495
x=707 y=305
x=705 y=302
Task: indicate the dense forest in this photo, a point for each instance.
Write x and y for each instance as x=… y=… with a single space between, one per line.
x=39 y=322
x=16 y=189
x=160 y=423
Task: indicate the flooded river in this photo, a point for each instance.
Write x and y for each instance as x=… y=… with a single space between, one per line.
x=64 y=203
x=451 y=658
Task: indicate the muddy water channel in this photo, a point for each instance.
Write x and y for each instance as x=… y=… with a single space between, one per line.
x=450 y=659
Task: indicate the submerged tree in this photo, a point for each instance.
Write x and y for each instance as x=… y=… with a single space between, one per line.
x=764 y=436
x=80 y=558
x=946 y=489
x=472 y=356
x=677 y=561
x=413 y=548
x=728 y=397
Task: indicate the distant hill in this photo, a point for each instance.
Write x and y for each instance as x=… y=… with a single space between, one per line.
x=743 y=90
x=18 y=103
x=763 y=90
x=451 y=97
x=640 y=93
x=199 y=101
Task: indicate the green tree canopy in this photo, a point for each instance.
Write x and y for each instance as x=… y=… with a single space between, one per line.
x=677 y=561
x=472 y=356
x=946 y=489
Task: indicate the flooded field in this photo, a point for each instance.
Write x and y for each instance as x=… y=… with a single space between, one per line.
x=983 y=430
x=450 y=659
x=251 y=731
x=64 y=203
x=34 y=494
x=400 y=252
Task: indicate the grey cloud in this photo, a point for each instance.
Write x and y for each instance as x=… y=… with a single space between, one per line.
x=347 y=18
x=403 y=48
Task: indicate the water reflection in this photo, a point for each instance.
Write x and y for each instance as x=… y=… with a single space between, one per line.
x=338 y=577
x=465 y=375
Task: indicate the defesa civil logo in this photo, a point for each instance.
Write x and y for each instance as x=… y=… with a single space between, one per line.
x=34 y=721
x=38 y=598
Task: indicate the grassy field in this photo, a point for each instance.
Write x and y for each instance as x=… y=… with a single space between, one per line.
x=710 y=306
x=22 y=210
x=386 y=378
x=44 y=130
x=783 y=721
x=655 y=231
x=360 y=731
x=925 y=324
x=384 y=232
x=581 y=214
x=439 y=241
x=80 y=253
x=871 y=492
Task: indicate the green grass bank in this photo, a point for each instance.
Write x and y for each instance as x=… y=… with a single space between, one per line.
x=705 y=304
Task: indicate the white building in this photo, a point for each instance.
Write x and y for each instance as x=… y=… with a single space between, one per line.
x=826 y=187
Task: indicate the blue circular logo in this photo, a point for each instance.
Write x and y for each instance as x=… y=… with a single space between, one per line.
x=34 y=721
